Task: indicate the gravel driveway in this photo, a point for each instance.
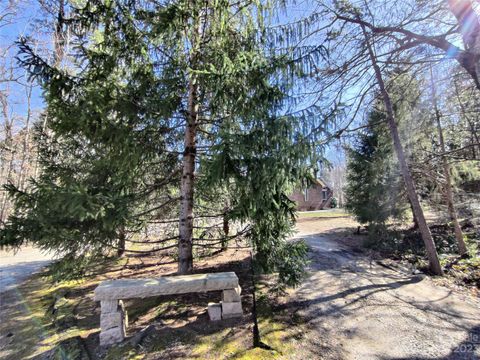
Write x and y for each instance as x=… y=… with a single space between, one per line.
x=365 y=311
x=17 y=266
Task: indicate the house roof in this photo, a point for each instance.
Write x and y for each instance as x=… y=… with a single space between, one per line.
x=321 y=182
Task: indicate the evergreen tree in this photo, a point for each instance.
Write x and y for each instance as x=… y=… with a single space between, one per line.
x=171 y=102
x=374 y=190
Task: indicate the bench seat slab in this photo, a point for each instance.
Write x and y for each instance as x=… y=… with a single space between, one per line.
x=168 y=285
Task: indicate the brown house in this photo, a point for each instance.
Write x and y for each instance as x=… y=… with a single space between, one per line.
x=317 y=197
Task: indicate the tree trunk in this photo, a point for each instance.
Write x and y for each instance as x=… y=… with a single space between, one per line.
x=8 y=148
x=121 y=242
x=256 y=333
x=26 y=142
x=59 y=35
x=185 y=257
x=462 y=248
x=407 y=177
x=226 y=227
x=472 y=124
x=4 y=212
x=185 y=243
x=415 y=221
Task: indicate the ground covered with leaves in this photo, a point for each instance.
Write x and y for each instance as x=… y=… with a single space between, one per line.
x=403 y=244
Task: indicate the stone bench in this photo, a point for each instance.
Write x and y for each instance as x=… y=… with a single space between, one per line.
x=113 y=316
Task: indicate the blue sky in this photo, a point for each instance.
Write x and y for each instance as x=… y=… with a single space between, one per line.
x=24 y=22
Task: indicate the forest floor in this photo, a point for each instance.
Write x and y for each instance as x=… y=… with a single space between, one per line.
x=353 y=305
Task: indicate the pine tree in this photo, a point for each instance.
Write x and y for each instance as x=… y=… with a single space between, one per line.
x=170 y=103
x=374 y=191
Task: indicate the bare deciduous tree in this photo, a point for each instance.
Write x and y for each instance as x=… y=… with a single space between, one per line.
x=409 y=183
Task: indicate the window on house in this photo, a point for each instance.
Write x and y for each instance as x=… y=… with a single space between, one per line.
x=305 y=194
x=324 y=194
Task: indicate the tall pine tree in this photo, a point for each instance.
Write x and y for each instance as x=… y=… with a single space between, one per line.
x=169 y=103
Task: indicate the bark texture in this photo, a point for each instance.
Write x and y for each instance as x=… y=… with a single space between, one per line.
x=407 y=177
x=121 y=242
x=185 y=243
x=462 y=248
x=59 y=35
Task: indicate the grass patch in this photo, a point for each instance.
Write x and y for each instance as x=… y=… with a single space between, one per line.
x=330 y=213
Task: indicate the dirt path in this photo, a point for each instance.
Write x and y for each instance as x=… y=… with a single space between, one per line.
x=15 y=318
x=16 y=267
x=366 y=311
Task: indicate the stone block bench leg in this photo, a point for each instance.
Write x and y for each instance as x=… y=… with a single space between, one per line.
x=214 y=311
x=113 y=322
x=231 y=303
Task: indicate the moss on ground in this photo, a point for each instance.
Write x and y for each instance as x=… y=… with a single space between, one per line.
x=34 y=318
x=201 y=339
x=61 y=321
